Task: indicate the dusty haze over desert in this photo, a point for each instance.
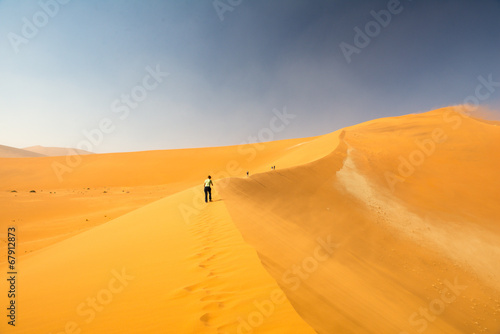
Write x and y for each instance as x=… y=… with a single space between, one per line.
x=353 y=149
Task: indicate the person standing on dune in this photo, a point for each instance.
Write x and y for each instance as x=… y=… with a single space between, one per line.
x=208 y=190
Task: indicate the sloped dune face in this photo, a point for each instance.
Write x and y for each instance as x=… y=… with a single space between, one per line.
x=12 y=152
x=390 y=226
x=75 y=193
x=173 y=266
x=395 y=231
x=55 y=151
x=152 y=271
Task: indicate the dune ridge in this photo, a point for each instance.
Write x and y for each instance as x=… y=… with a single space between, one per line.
x=55 y=151
x=105 y=186
x=38 y=151
x=231 y=295
x=393 y=243
x=375 y=228
x=179 y=277
x=12 y=152
x=127 y=169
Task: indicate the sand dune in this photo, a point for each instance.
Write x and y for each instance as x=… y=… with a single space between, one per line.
x=183 y=167
x=397 y=250
x=12 y=152
x=150 y=271
x=389 y=226
x=76 y=193
x=55 y=151
x=38 y=151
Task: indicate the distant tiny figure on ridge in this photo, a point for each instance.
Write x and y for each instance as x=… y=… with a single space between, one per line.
x=247 y=173
x=208 y=190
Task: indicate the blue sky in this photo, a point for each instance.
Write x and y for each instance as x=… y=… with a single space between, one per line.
x=225 y=77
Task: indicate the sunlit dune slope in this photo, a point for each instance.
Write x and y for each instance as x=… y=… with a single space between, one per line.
x=390 y=226
x=396 y=231
x=77 y=193
x=183 y=167
x=152 y=271
x=48 y=216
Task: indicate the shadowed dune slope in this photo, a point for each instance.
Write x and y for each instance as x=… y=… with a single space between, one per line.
x=55 y=151
x=12 y=152
x=396 y=231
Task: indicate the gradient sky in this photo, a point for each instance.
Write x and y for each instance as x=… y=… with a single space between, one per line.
x=227 y=76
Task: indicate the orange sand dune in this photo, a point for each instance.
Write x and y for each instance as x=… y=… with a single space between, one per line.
x=51 y=215
x=150 y=271
x=183 y=167
x=390 y=226
x=413 y=255
x=101 y=187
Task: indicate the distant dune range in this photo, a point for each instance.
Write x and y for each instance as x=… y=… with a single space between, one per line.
x=55 y=151
x=38 y=151
x=389 y=226
x=12 y=152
